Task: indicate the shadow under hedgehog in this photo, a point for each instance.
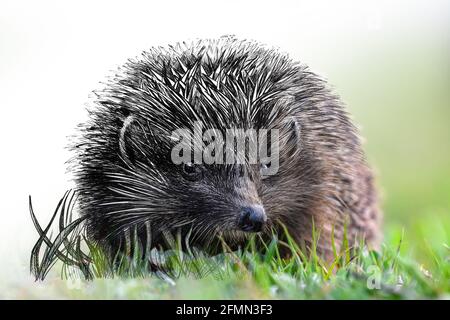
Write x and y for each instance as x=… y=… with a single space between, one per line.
x=129 y=187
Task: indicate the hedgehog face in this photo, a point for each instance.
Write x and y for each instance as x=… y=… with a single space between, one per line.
x=225 y=196
x=225 y=202
x=145 y=189
x=202 y=201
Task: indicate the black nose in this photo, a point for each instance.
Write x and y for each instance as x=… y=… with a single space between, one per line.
x=252 y=219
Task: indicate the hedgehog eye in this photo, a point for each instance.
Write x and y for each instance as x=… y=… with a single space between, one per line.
x=191 y=171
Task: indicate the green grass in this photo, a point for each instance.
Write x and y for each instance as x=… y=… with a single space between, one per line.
x=409 y=266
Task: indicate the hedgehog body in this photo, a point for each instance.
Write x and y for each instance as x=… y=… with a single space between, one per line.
x=127 y=181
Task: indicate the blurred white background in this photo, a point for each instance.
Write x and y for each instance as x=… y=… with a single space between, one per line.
x=53 y=54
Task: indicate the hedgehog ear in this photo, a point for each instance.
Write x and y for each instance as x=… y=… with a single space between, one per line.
x=130 y=135
x=294 y=138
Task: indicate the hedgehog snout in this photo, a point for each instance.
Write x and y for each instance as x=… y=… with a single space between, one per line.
x=252 y=218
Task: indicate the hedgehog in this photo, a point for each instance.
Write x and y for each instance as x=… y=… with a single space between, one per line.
x=129 y=186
